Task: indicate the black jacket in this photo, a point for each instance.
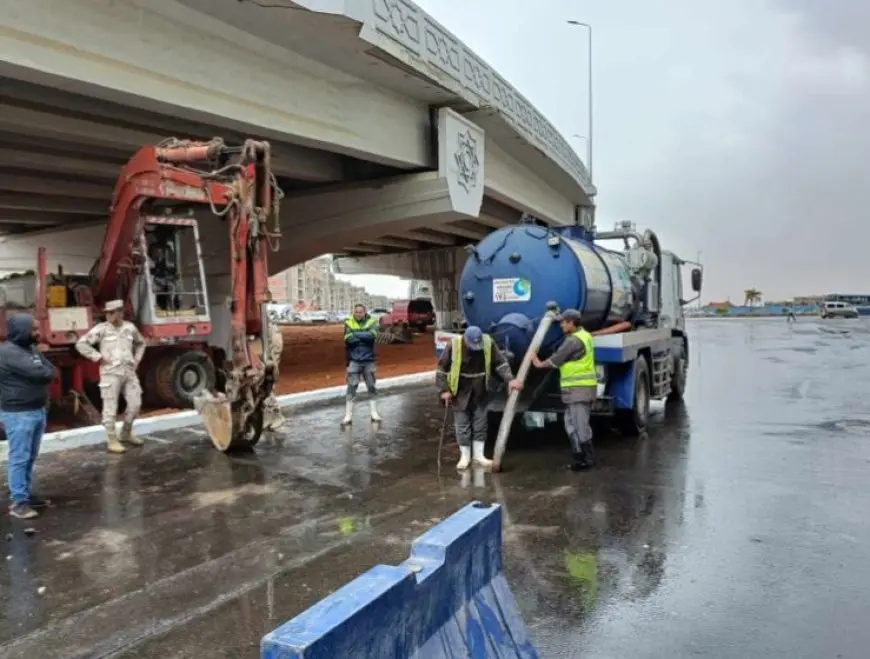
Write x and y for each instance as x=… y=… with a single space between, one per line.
x=24 y=372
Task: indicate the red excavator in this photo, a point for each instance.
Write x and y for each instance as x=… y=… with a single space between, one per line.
x=152 y=259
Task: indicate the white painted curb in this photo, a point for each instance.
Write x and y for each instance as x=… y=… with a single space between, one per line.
x=76 y=437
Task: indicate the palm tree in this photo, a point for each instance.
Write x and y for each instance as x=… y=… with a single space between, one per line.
x=751 y=296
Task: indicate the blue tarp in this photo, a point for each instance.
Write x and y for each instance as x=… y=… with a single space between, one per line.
x=449 y=600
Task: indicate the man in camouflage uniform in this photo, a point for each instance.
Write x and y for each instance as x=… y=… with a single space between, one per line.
x=273 y=417
x=118 y=347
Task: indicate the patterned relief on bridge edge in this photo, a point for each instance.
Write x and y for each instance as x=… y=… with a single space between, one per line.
x=461 y=160
x=400 y=20
x=442 y=49
x=411 y=27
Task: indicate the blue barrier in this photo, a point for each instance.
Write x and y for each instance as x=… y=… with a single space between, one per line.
x=449 y=599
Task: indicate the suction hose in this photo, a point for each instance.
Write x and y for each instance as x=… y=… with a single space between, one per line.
x=507 y=418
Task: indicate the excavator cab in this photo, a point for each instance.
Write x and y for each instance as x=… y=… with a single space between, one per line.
x=170 y=296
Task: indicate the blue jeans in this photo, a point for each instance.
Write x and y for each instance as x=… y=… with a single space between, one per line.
x=24 y=432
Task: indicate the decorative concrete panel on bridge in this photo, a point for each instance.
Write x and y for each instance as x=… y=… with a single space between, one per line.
x=461 y=157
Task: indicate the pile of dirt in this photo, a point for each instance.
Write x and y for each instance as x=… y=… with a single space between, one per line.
x=314 y=357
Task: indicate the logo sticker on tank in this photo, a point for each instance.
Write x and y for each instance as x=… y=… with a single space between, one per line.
x=514 y=289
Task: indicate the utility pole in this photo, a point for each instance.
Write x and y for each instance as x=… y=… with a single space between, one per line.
x=589 y=93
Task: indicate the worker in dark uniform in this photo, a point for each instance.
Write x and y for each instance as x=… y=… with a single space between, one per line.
x=164 y=273
x=463 y=375
x=575 y=359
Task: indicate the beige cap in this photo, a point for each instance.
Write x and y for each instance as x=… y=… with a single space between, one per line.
x=113 y=305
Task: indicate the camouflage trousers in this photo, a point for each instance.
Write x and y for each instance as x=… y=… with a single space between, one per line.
x=272 y=416
x=112 y=386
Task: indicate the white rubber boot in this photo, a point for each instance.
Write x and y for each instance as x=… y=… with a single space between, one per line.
x=348 y=413
x=479 y=458
x=464 y=458
x=373 y=407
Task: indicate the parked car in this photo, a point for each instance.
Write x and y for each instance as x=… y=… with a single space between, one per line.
x=377 y=312
x=832 y=309
x=418 y=313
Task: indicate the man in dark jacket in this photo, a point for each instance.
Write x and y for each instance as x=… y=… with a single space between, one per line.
x=360 y=332
x=463 y=377
x=24 y=378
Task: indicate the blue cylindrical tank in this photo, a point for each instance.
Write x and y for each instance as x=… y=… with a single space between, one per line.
x=516 y=271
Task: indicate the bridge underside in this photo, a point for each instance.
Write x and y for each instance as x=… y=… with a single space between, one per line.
x=61 y=152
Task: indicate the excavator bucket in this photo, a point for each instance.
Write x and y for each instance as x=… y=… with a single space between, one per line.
x=216 y=413
x=235 y=420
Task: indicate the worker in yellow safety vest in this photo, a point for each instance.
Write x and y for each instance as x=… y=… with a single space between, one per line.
x=575 y=359
x=360 y=333
x=463 y=377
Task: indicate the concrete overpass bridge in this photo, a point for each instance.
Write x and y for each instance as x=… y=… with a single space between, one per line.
x=390 y=135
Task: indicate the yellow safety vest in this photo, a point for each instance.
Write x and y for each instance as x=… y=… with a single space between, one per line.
x=352 y=325
x=456 y=362
x=580 y=372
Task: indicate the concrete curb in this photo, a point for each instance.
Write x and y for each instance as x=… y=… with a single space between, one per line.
x=67 y=439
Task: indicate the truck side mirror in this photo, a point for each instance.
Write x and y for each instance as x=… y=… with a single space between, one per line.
x=696 y=279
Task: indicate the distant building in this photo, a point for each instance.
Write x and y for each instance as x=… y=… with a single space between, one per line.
x=312 y=286
x=379 y=302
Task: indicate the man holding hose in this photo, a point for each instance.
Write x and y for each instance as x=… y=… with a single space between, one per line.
x=463 y=375
x=575 y=359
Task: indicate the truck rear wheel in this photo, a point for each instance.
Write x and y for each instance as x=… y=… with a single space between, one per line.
x=180 y=376
x=633 y=422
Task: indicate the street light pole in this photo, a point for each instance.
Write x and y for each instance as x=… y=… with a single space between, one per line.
x=589 y=93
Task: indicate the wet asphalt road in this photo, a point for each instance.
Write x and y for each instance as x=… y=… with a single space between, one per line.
x=738 y=528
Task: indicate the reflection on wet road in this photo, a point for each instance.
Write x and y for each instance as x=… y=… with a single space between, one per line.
x=736 y=529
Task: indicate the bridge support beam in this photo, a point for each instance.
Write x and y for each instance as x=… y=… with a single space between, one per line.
x=442 y=267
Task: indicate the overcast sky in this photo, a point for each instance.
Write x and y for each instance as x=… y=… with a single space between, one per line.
x=737 y=128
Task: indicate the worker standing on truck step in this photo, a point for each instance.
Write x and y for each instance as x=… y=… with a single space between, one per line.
x=118 y=347
x=575 y=359
x=274 y=418
x=24 y=378
x=463 y=377
x=360 y=332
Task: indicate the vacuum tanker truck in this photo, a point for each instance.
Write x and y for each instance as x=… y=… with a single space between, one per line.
x=631 y=299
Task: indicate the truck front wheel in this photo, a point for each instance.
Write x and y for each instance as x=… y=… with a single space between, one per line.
x=678 y=378
x=180 y=376
x=633 y=422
